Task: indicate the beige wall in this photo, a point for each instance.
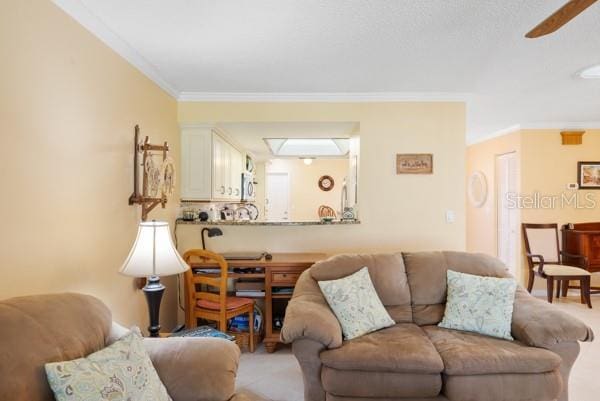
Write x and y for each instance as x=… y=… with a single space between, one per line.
x=398 y=212
x=68 y=105
x=546 y=167
x=481 y=221
x=305 y=194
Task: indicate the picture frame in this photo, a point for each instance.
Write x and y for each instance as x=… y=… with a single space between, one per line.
x=588 y=175
x=414 y=163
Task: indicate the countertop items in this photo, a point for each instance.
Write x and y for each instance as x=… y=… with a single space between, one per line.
x=268 y=223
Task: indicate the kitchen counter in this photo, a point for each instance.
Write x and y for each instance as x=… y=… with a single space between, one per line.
x=266 y=223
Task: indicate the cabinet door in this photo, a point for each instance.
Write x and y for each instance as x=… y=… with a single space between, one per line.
x=221 y=179
x=236 y=173
x=196 y=163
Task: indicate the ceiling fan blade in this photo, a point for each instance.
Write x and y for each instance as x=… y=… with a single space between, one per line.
x=563 y=15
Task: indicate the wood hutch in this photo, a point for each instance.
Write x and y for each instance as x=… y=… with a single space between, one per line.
x=582 y=239
x=283 y=270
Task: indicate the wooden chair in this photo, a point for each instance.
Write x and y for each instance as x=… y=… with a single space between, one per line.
x=326 y=211
x=210 y=305
x=541 y=243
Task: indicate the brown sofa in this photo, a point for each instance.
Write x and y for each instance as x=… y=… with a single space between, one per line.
x=416 y=360
x=46 y=328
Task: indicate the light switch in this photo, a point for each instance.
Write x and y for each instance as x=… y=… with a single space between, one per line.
x=450 y=216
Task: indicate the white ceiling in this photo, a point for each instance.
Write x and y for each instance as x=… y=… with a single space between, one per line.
x=363 y=49
x=249 y=135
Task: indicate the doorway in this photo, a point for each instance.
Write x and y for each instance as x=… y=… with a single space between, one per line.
x=277 y=199
x=507 y=217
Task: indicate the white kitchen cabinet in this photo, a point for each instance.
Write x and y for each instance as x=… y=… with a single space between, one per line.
x=211 y=167
x=220 y=176
x=196 y=163
x=236 y=170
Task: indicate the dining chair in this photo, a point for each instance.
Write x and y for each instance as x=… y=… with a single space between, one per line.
x=215 y=306
x=545 y=259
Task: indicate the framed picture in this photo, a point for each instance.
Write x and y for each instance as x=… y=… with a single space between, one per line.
x=414 y=163
x=588 y=175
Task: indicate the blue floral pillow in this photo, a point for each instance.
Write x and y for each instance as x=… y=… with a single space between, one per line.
x=482 y=305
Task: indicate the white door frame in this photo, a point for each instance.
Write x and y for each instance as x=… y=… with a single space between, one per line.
x=267 y=205
x=516 y=254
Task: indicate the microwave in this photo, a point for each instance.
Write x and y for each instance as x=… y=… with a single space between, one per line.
x=248 y=191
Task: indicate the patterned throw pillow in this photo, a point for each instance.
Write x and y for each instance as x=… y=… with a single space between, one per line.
x=482 y=305
x=120 y=372
x=356 y=305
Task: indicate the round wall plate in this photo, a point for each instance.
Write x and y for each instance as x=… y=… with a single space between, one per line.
x=477 y=189
x=326 y=183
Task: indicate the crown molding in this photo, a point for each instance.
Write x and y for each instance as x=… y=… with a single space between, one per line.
x=556 y=125
x=78 y=11
x=494 y=134
x=563 y=125
x=342 y=97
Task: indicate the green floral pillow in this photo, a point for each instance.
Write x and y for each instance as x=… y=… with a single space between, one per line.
x=482 y=305
x=356 y=304
x=120 y=372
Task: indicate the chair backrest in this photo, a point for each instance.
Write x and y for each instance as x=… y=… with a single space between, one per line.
x=326 y=211
x=209 y=260
x=541 y=239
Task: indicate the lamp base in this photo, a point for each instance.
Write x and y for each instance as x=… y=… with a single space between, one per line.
x=154 y=291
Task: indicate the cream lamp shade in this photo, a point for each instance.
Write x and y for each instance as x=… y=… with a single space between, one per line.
x=153 y=252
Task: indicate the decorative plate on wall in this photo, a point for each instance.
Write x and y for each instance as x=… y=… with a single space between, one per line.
x=477 y=189
x=326 y=183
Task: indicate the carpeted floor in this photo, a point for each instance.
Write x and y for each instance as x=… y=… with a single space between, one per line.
x=277 y=377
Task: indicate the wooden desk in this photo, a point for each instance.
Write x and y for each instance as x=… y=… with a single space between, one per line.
x=281 y=271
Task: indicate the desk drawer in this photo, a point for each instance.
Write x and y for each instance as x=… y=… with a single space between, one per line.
x=284 y=278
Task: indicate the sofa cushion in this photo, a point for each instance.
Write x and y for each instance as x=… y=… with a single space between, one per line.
x=46 y=328
x=466 y=353
x=354 y=383
x=426 y=272
x=121 y=371
x=356 y=305
x=387 y=273
x=504 y=387
x=331 y=397
x=482 y=305
x=403 y=348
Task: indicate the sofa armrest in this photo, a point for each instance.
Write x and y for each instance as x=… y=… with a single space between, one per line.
x=195 y=369
x=540 y=324
x=308 y=316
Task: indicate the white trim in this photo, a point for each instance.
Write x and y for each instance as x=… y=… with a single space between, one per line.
x=566 y=125
x=96 y=26
x=323 y=97
x=494 y=134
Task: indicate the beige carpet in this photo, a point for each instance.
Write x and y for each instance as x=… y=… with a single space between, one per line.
x=277 y=377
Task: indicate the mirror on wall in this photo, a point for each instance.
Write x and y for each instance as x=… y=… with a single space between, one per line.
x=271 y=171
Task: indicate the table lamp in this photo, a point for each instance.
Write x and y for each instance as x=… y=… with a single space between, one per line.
x=153 y=255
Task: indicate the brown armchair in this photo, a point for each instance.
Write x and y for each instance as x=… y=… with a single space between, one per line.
x=545 y=259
